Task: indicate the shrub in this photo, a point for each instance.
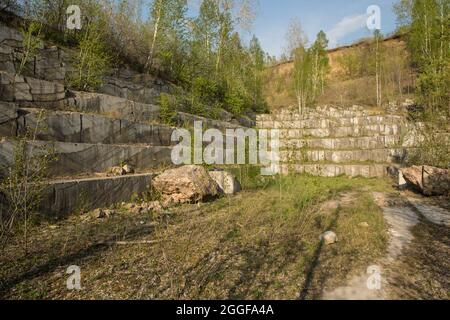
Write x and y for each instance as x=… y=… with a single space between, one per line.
x=434 y=148
x=31 y=43
x=167 y=109
x=93 y=60
x=22 y=188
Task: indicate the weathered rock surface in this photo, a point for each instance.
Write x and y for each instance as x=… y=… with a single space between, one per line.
x=8 y=112
x=46 y=65
x=92 y=128
x=187 y=184
x=112 y=106
x=227 y=182
x=29 y=91
x=189 y=119
x=345 y=156
x=68 y=196
x=346 y=143
x=136 y=87
x=334 y=170
x=329 y=237
x=290 y=122
x=330 y=141
x=76 y=158
x=341 y=132
x=10 y=37
x=428 y=180
x=116 y=171
x=128 y=169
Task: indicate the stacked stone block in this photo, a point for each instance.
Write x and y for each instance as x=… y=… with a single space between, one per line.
x=331 y=141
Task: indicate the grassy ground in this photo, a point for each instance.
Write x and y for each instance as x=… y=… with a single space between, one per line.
x=260 y=244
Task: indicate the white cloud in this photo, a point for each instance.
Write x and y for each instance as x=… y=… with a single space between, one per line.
x=344 y=27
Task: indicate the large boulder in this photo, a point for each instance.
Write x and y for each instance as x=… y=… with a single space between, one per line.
x=187 y=184
x=227 y=182
x=429 y=180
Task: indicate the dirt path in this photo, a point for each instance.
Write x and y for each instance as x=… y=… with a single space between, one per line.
x=412 y=220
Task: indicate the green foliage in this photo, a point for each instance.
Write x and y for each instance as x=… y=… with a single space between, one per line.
x=93 y=59
x=351 y=63
x=434 y=149
x=167 y=109
x=203 y=55
x=320 y=63
x=428 y=43
x=223 y=72
x=310 y=69
x=235 y=102
x=22 y=187
x=31 y=43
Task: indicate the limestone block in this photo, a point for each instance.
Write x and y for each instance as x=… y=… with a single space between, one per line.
x=185 y=118
x=227 y=182
x=7 y=66
x=343 y=156
x=112 y=106
x=9 y=36
x=6 y=50
x=73 y=158
x=66 y=196
x=428 y=180
x=48 y=66
x=49 y=97
x=6 y=59
x=59 y=126
x=186 y=184
x=8 y=115
x=13 y=88
x=93 y=128
x=8 y=112
x=130 y=90
x=329 y=238
x=44 y=88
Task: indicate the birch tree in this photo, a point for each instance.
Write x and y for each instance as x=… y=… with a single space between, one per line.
x=167 y=17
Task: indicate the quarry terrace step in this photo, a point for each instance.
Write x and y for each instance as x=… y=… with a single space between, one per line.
x=111 y=106
x=309 y=116
x=30 y=91
x=79 y=158
x=322 y=123
x=186 y=119
x=335 y=170
x=121 y=108
x=342 y=132
x=345 y=156
x=365 y=143
x=64 y=197
x=324 y=111
x=78 y=127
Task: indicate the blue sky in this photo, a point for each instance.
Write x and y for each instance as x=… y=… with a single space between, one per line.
x=343 y=18
x=344 y=21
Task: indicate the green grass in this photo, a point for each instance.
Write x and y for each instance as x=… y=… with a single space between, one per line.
x=260 y=244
